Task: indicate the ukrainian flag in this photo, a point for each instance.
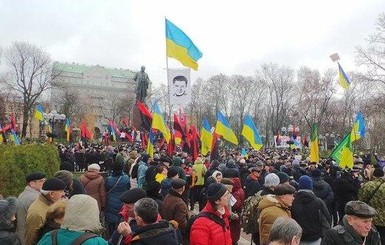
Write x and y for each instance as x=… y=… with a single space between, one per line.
x=158 y=122
x=358 y=129
x=343 y=153
x=206 y=137
x=314 y=149
x=14 y=137
x=223 y=128
x=251 y=133
x=344 y=80
x=150 y=144
x=180 y=46
x=67 y=128
x=39 y=112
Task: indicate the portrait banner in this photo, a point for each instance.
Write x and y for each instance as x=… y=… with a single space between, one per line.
x=180 y=87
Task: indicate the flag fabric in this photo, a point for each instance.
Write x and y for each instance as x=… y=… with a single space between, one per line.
x=68 y=129
x=145 y=116
x=1 y=135
x=194 y=143
x=244 y=153
x=343 y=153
x=251 y=133
x=223 y=129
x=115 y=132
x=358 y=129
x=206 y=137
x=158 y=122
x=14 y=137
x=150 y=144
x=84 y=132
x=178 y=127
x=314 y=149
x=39 y=112
x=13 y=122
x=343 y=79
x=295 y=144
x=180 y=46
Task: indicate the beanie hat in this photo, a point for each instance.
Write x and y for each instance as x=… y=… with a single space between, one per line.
x=316 y=173
x=35 y=176
x=271 y=180
x=305 y=182
x=284 y=189
x=215 y=191
x=295 y=163
x=64 y=175
x=93 y=166
x=283 y=177
x=178 y=183
x=378 y=172
x=172 y=172
x=132 y=195
x=7 y=210
x=54 y=184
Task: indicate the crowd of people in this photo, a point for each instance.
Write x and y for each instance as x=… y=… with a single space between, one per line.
x=124 y=196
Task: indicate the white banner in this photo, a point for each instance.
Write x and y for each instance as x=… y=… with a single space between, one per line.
x=180 y=87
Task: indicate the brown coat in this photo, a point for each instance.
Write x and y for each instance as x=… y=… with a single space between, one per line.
x=93 y=182
x=174 y=208
x=269 y=210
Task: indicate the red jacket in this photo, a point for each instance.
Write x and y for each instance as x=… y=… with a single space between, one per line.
x=205 y=231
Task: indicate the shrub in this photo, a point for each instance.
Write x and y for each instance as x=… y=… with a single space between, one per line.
x=17 y=161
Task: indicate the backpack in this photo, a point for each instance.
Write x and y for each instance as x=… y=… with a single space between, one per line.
x=250 y=214
x=78 y=241
x=208 y=215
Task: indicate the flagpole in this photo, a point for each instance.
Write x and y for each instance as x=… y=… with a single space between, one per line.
x=168 y=85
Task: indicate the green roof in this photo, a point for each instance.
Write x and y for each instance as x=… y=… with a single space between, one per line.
x=81 y=68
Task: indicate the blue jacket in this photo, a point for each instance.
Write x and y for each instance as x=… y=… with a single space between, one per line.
x=142 y=169
x=113 y=204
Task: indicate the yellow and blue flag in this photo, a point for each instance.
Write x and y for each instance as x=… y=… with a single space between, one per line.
x=39 y=112
x=314 y=149
x=251 y=133
x=14 y=137
x=358 y=129
x=1 y=135
x=150 y=144
x=180 y=46
x=67 y=128
x=343 y=79
x=158 y=122
x=206 y=137
x=343 y=153
x=223 y=129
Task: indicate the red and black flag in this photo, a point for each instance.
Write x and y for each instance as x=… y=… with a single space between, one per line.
x=145 y=116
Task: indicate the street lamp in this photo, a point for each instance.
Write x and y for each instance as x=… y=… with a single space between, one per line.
x=52 y=116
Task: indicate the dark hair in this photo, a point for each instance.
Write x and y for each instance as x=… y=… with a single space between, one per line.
x=180 y=78
x=147 y=209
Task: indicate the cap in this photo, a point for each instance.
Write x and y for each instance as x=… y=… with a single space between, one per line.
x=284 y=189
x=132 y=195
x=93 y=166
x=215 y=191
x=178 y=183
x=360 y=209
x=35 y=176
x=54 y=184
x=271 y=180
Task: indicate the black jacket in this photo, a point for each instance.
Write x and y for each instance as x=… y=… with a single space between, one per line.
x=159 y=233
x=311 y=214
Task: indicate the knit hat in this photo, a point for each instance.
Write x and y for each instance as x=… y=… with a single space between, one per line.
x=316 y=173
x=35 y=176
x=271 y=180
x=305 y=182
x=7 y=210
x=54 y=184
x=283 y=177
x=178 y=183
x=284 y=189
x=132 y=195
x=295 y=163
x=64 y=175
x=172 y=172
x=93 y=166
x=378 y=172
x=215 y=191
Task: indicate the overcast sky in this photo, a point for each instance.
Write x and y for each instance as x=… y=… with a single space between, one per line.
x=235 y=37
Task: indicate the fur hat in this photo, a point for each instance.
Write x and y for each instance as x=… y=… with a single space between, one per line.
x=215 y=191
x=7 y=211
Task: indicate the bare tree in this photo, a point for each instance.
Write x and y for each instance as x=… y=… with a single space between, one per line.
x=29 y=75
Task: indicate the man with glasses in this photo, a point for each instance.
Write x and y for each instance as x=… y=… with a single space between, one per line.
x=34 y=183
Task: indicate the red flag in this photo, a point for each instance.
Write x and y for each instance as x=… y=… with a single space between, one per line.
x=85 y=133
x=13 y=122
x=171 y=146
x=178 y=127
x=145 y=115
x=194 y=142
x=214 y=148
x=126 y=122
x=113 y=125
x=144 y=140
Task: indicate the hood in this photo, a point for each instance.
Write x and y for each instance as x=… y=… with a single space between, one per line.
x=237 y=184
x=304 y=196
x=92 y=175
x=269 y=201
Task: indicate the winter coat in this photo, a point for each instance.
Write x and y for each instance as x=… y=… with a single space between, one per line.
x=77 y=188
x=142 y=169
x=162 y=232
x=269 y=210
x=165 y=187
x=377 y=201
x=35 y=218
x=67 y=237
x=324 y=191
x=345 y=234
x=311 y=214
x=252 y=185
x=7 y=236
x=113 y=204
x=174 y=208
x=239 y=195
x=94 y=184
x=24 y=201
x=205 y=231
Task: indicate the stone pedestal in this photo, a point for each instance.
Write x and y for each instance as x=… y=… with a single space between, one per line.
x=136 y=118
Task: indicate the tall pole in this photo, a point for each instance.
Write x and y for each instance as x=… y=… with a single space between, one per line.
x=168 y=85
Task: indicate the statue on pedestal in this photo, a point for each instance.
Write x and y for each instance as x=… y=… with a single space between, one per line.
x=142 y=81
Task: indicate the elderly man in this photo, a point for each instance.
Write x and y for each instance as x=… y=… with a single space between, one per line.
x=51 y=191
x=35 y=182
x=356 y=228
x=285 y=231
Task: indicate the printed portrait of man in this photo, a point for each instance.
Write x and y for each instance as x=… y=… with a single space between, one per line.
x=180 y=85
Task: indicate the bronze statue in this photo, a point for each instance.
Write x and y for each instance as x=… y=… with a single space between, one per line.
x=142 y=81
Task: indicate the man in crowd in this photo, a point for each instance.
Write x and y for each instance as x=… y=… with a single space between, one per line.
x=35 y=182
